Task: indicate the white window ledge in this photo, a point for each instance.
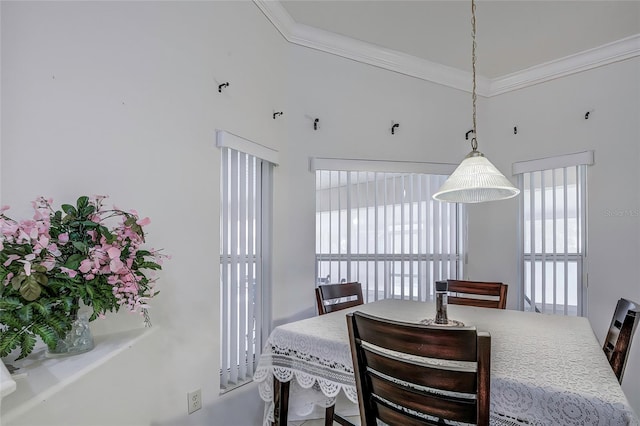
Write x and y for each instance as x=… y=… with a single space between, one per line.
x=39 y=377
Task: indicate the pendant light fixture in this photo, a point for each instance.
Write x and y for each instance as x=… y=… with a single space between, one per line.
x=475 y=180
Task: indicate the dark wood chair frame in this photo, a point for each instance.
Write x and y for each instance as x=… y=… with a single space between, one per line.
x=389 y=387
x=459 y=288
x=334 y=293
x=618 y=341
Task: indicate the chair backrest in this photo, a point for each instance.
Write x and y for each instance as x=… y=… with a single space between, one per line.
x=403 y=388
x=335 y=297
x=621 y=331
x=478 y=293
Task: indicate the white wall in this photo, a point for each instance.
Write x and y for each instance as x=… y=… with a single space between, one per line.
x=121 y=98
x=550 y=121
x=356 y=105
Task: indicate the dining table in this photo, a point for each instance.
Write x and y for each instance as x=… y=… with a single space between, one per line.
x=545 y=369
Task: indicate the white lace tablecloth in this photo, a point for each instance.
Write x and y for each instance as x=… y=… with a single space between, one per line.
x=545 y=369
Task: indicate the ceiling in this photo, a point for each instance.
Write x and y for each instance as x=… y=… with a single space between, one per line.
x=511 y=35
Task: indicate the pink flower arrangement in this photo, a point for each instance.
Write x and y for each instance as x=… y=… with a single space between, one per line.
x=50 y=263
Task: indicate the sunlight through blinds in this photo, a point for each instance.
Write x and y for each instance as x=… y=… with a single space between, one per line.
x=384 y=230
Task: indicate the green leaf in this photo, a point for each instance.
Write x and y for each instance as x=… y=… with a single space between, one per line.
x=106 y=233
x=30 y=289
x=149 y=265
x=8 y=341
x=27 y=343
x=82 y=202
x=26 y=314
x=69 y=209
x=39 y=268
x=73 y=262
x=80 y=246
x=90 y=291
x=67 y=303
x=88 y=210
x=11 y=320
x=10 y=303
x=44 y=310
x=60 y=323
x=47 y=334
x=41 y=279
x=16 y=281
x=89 y=224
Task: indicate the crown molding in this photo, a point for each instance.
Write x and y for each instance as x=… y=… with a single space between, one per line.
x=346 y=47
x=602 y=55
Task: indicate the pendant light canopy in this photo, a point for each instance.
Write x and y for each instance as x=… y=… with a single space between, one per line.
x=475 y=180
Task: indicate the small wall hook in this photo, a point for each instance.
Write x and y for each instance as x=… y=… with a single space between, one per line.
x=220 y=86
x=315 y=123
x=466 y=135
x=276 y=114
x=515 y=130
x=394 y=127
x=586 y=116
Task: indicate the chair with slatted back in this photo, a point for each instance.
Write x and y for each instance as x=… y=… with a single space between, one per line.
x=335 y=297
x=397 y=385
x=330 y=298
x=484 y=294
x=618 y=341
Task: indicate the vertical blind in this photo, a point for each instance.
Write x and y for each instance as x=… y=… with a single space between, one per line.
x=553 y=233
x=244 y=273
x=385 y=231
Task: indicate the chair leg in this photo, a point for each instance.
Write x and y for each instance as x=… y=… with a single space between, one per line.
x=341 y=420
x=328 y=415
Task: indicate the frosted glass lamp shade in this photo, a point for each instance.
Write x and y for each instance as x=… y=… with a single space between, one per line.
x=476 y=180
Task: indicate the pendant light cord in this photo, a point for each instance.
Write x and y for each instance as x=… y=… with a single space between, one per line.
x=474 y=141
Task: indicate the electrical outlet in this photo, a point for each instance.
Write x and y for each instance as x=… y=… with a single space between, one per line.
x=194 y=401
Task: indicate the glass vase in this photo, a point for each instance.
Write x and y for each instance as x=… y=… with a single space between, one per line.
x=78 y=340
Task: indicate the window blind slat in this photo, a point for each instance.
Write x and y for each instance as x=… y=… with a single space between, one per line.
x=243 y=263
x=224 y=331
x=245 y=206
x=389 y=232
x=554 y=213
x=233 y=302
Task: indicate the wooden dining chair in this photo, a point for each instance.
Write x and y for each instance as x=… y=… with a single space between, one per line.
x=330 y=298
x=484 y=294
x=335 y=297
x=397 y=385
x=620 y=334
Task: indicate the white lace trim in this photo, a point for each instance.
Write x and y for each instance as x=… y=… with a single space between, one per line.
x=534 y=379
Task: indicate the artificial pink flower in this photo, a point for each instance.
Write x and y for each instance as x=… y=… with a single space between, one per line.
x=10 y=259
x=85 y=266
x=63 y=238
x=114 y=252
x=27 y=267
x=116 y=265
x=8 y=278
x=143 y=222
x=70 y=272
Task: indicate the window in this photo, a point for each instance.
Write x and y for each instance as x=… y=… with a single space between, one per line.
x=553 y=233
x=383 y=229
x=245 y=241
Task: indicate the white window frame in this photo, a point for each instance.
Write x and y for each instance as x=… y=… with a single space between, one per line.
x=405 y=261
x=246 y=203
x=549 y=177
